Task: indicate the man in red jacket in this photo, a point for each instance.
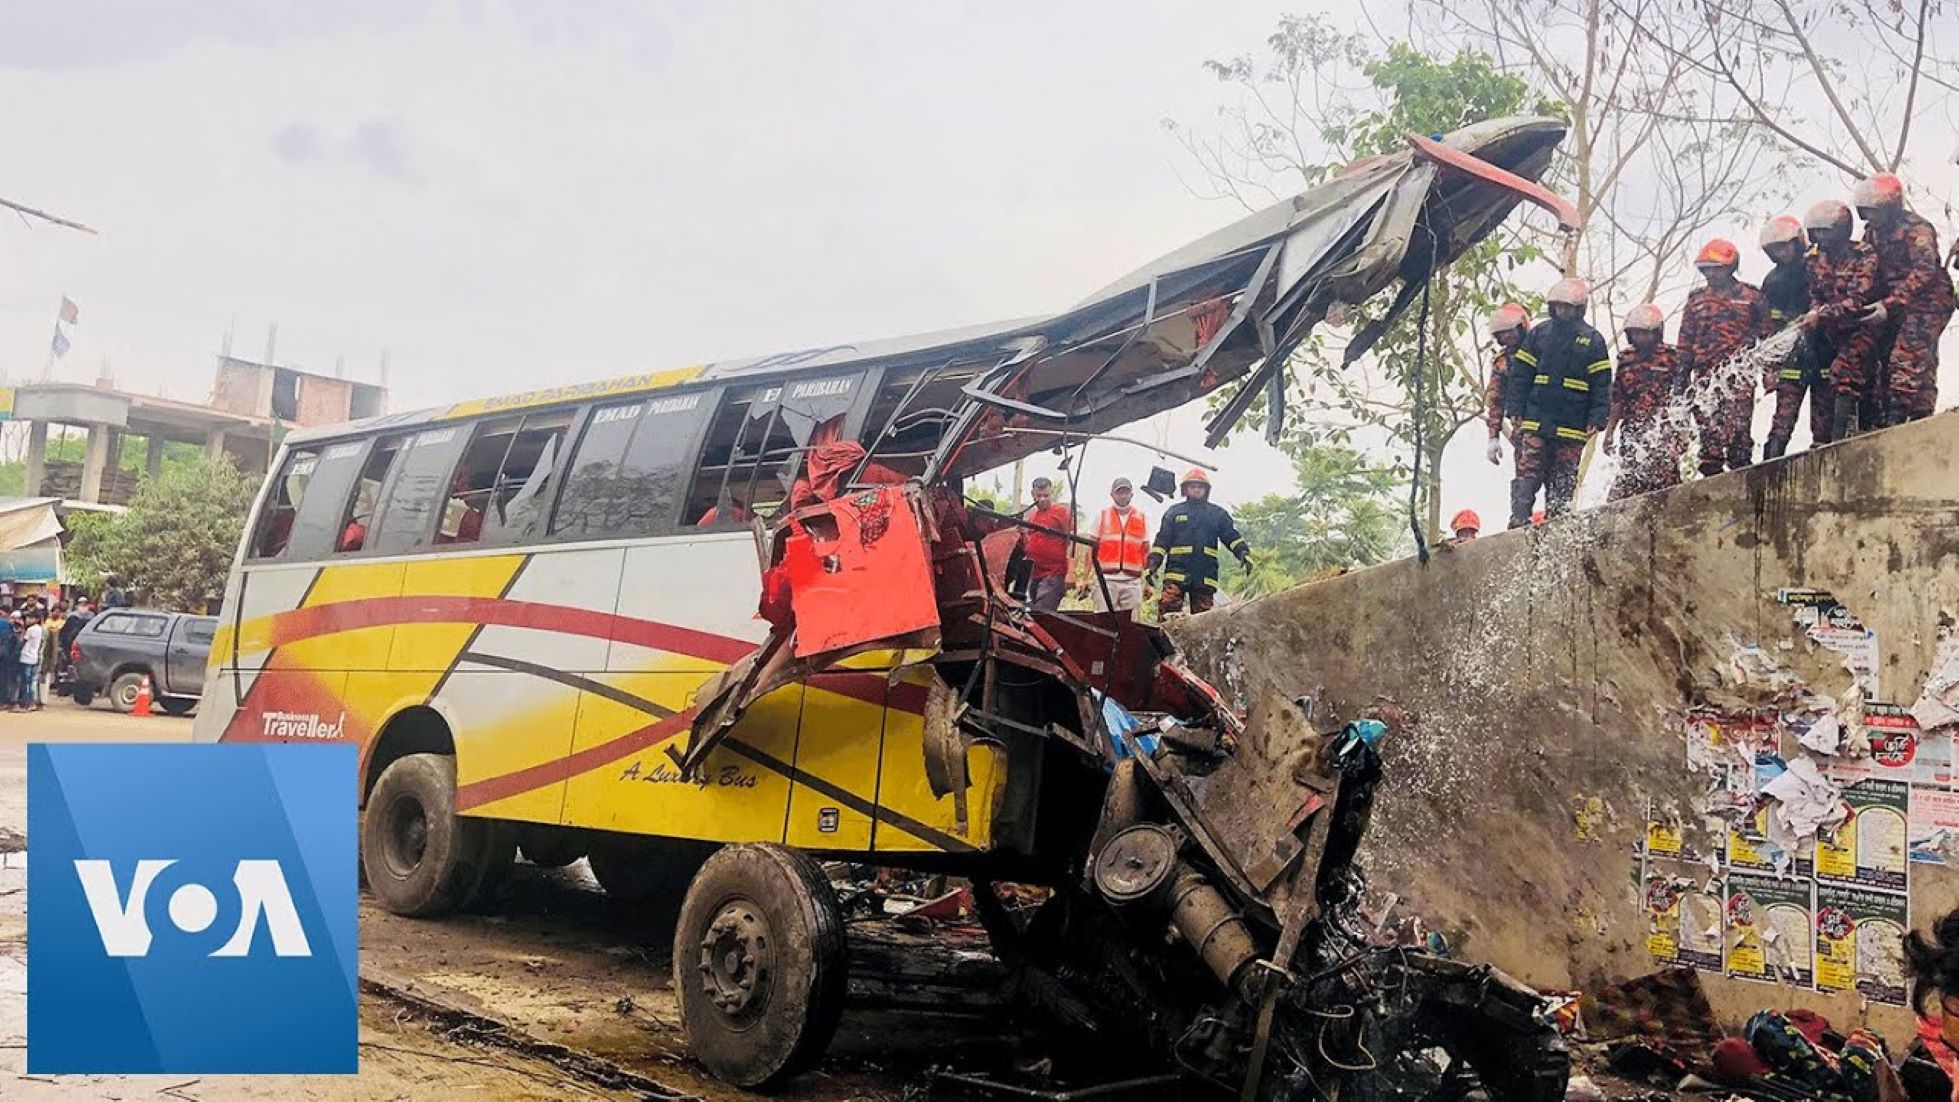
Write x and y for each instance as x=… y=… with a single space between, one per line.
x=1047 y=548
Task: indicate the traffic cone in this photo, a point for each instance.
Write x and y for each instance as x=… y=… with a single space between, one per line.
x=143 y=698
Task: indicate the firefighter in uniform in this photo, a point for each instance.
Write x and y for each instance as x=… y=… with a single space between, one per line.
x=1918 y=297
x=1842 y=283
x=1508 y=325
x=1786 y=295
x=1186 y=547
x=1721 y=319
x=1643 y=385
x=1560 y=391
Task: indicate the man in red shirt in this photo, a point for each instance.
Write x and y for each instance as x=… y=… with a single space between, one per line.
x=1047 y=551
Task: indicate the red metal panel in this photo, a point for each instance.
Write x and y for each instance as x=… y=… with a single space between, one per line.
x=859 y=570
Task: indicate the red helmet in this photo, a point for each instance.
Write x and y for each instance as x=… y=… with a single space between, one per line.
x=1783 y=229
x=1195 y=474
x=1467 y=518
x=1881 y=190
x=1718 y=253
x=1830 y=214
x=1569 y=291
x=1507 y=317
x=1645 y=316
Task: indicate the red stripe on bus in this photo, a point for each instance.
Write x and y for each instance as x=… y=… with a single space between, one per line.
x=477 y=793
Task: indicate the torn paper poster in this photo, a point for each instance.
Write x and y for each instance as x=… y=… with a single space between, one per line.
x=1818 y=730
x=1834 y=627
x=1769 y=935
x=1749 y=850
x=1860 y=942
x=1683 y=920
x=1932 y=826
x=1938 y=704
x=1899 y=750
x=1758 y=672
x=1717 y=739
x=1868 y=850
x=1803 y=804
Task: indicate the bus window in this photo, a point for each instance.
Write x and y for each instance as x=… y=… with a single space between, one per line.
x=474 y=481
x=630 y=467
x=418 y=489
x=282 y=505
x=755 y=447
x=316 y=524
x=367 y=493
x=522 y=488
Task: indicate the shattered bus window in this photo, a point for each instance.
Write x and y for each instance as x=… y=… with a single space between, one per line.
x=756 y=444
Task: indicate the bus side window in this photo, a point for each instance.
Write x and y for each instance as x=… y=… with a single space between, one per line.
x=474 y=482
x=755 y=447
x=367 y=494
x=630 y=467
x=418 y=489
x=275 y=520
x=522 y=489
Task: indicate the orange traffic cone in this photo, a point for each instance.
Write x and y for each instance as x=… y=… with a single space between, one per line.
x=143 y=699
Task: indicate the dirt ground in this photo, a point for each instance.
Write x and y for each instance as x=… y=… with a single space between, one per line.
x=557 y=964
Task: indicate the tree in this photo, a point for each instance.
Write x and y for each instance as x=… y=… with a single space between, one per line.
x=1342 y=514
x=176 y=540
x=1319 y=100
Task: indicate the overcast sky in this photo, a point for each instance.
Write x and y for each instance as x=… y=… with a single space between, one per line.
x=507 y=195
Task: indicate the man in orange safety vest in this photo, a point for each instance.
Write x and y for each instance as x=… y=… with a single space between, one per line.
x=1122 y=547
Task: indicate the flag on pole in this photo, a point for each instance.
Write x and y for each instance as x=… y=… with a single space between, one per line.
x=60 y=344
x=70 y=313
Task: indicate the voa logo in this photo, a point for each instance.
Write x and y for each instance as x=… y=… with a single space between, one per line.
x=122 y=917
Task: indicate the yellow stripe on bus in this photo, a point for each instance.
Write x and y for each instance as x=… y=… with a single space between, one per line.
x=575 y=392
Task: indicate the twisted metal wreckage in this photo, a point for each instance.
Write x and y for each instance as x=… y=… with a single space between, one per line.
x=1158 y=808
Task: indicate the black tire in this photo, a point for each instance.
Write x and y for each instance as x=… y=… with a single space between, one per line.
x=123 y=690
x=421 y=858
x=82 y=697
x=760 y=965
x=176 y=705
x=550 y=847
x=646 y=870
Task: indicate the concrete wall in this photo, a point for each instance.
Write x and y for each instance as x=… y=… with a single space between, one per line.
x=1552 y=670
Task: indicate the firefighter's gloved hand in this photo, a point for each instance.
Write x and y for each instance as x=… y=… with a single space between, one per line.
x=1495 y=450
x=1875 y=315
x=1246 y=562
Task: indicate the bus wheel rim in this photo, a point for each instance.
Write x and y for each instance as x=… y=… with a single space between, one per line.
x=738 y=960
x=407 y=836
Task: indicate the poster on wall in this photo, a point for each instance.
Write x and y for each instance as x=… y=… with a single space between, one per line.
x=1832 y=626
x=1900 y=750
x=1769 y=935
x=1749 y=849
x=1684 y=923
x=1860 y=942
x=1869 y=849
x=1932 y=830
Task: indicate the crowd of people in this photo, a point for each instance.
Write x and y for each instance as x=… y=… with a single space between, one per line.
x=34 y=646
x=1868 y=310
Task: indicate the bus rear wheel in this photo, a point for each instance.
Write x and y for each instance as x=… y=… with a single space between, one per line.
x=421 y=858
x=760 y=964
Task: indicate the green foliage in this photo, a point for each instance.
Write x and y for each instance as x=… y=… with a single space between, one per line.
x=1342 y=514
x=176 y=541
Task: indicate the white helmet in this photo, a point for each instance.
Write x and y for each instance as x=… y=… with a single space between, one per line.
x=1571 y=291
x=1645 y=316
x=1830 y=214
x=1507 y=317
x=1783 y=229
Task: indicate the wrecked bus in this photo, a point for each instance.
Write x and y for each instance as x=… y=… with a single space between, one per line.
x=701 y=626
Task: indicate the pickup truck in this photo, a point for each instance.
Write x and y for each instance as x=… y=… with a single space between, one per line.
x=120 y=646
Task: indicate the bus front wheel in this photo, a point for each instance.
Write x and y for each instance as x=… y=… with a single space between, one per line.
x=760 y=964
x=421 y=858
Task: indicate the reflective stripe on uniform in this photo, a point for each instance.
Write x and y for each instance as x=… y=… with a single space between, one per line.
x=1170 y=577
x=1577 y=384
x=1183 y=550
x=1530 y=426
x=1598 y=366
x=1211 y=551
x=1791 y=373
x=1542 y=380
x=1571 y=434
x=1525 y=357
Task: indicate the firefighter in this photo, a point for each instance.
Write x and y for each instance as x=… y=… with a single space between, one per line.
x=1842 y=281
x=1122 y=541
x=1559 y=392
x=1786 y=294
x=1186 y=547
x=1508 y=324
x=1466 y=525
x=1918 y=297
x=1643 y=387
x=1722 y=318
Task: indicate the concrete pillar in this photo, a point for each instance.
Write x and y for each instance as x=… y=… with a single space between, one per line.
x=114 y=462
x=37 y=457
x=153 y=457
x=95 y=462
x=214 y=445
